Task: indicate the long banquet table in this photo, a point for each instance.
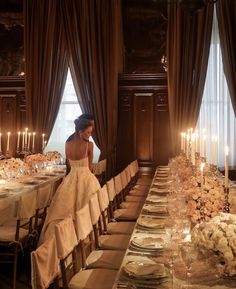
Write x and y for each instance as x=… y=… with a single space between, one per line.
x=12 y=190
x=154 y=257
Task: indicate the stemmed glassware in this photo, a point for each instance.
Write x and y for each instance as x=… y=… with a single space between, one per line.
x=189 y=255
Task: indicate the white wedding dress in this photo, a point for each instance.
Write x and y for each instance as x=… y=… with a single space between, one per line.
x=74 y=192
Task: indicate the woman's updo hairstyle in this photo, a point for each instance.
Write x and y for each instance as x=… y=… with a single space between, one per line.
x=81 y=124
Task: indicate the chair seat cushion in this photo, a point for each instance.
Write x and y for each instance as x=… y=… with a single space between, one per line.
x=93 y=278
x=144 y=180
x=125 y=228
x=114 y=242
x=7 y=233
x=134 y=205
x=107 y=259
x=136 y=199
x=130 y=214
x=140 y=187
x=138 y=193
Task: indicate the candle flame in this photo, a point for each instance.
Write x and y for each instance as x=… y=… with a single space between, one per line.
x=202 y=166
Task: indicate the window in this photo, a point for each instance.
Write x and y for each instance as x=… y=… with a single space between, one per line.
x=216 y=113
x=64 y=125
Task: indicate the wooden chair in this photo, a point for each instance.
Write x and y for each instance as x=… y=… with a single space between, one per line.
x=107 y=259
x=144 y=180
x=72 y=276
x=44 y=195
x=127 y=200
x=45 y=266
x=15 y=238
x=130 y=214
x=105 y=242
x=112 y=227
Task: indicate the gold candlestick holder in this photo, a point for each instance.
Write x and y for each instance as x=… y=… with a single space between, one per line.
x=226 y=208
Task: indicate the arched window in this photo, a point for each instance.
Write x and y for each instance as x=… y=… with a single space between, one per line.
x=64 y=125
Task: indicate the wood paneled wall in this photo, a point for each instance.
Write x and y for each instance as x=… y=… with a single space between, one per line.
x=12 y=109
x=143 y=120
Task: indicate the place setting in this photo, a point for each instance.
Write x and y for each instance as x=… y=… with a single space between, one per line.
x=149 y=223
x=160 y=210
x=144 y=272
x=159 y=191
x=156 y=200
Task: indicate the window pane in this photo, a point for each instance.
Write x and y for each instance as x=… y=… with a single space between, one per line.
x=216 y=113
x=64 y=125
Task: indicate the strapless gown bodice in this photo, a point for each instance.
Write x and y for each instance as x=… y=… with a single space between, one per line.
x=74 y=193
x=79 y=163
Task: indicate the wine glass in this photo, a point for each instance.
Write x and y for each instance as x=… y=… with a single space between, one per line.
x=189 y=255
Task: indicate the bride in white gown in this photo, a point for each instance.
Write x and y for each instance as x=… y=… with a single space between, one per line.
x=79 y=185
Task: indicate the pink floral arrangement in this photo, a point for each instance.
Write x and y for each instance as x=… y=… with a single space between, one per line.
x=53 y=156
x=206 y=201
x=13 y=166
x=35 y=159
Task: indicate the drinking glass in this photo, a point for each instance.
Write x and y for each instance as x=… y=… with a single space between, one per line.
x=189 y=256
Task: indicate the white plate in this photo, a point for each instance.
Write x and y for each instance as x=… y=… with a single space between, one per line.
x=156 y=199
x=149 y=222
x=148 y=242
x=140 y=269
x=161 y=209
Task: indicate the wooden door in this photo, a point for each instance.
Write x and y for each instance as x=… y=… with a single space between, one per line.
x=143 y=126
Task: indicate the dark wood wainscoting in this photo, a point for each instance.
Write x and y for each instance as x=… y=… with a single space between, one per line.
x=143 y=120
x=12 y=109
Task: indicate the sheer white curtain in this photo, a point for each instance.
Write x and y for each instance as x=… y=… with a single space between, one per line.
x=216 y=113
x=64 y=125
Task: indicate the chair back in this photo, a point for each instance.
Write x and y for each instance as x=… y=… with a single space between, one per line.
x=83 y=223
x=103 y=198
x=104 y=207
x=124 y=180
x=132 y=169
x=128 y=173
x=94 y=208
x=103 y=165
x=44 y=264
x=118 y=184
x=136 y=166
x=111 y=190
x=66 y=237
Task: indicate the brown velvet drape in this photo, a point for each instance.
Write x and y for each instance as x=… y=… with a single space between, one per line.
x=226 y=14
x=93 y=33
x=46 y=65
x=188 y=43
